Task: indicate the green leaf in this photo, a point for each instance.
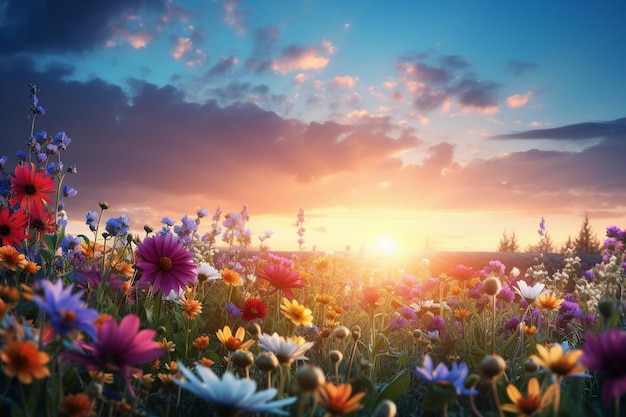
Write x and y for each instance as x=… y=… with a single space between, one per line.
x=438 y=396
x=394 y=388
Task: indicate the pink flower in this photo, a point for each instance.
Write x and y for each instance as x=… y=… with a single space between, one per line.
x=118 y=348
x=282 y=278
x=165 y=264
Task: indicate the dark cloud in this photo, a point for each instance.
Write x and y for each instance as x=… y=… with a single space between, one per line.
x=62 y=27
x=615 y=130
x=517 y=67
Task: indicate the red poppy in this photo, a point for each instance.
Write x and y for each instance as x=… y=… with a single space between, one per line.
x=31 y=187
x=282 y=278
x=12 y=227
x=371 y=295
x=42 y=221
x=252 y=309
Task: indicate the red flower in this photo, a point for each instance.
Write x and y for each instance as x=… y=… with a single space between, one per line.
x=282 y=278
x=12 y=227
x=30 y=187
x=252 y=309
x=42 y=221
x=371 y=295
x=462 y=273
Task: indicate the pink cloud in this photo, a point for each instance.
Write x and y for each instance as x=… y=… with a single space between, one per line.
x=183 y=45
x=519 y=100
x=297 y=58
x=344 y=81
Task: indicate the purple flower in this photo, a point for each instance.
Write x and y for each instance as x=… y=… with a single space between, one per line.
x=398 y=323
x=69 y=191
x=441 y=375
x=436 y=323
x=408 y=313
x=605 y=354
x=118 y=348
x=165 y=264
x=66 y=310
x=506 y=294
x=233 y=310
x=92 y=220
x=512 y=324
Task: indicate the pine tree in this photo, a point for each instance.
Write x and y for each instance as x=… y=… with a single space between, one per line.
x=545 y=244
x=508 y=243
x=587 y=241
x=569 y=243
x=513 y=244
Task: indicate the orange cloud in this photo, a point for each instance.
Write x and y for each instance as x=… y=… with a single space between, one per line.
x=519 y=100
x=344 y=81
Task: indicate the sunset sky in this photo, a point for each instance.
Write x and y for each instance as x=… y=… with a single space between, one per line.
x=433 y=124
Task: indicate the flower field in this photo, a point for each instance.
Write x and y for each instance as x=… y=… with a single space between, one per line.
x=178 y=322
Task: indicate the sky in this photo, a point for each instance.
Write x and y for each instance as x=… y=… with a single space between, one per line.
x=412 y=124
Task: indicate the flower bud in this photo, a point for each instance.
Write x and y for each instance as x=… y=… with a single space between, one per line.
x=254 y=329
x=161 y=330
x=335 y=356
x=492 y=286
x=242 y=358
x=341 y=332
x=356 y=332
x=325 y=333
x=531 y=366
x=386 y=408
x=103 y=205
x=266 y=361
x=492 y=366
x=607 y=308
x=310 y=377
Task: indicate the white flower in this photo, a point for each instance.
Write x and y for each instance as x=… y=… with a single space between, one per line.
x=527 y=292
x=229 y=395
x=207 y=272
x=286 y=350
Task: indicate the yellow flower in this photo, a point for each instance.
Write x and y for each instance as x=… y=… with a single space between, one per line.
x=559 y=362
x=169 y=346
x=297 y=313
x=532 y=403
x=336 y=399
x=548 y=302
x=234 y=342
x=231 y=277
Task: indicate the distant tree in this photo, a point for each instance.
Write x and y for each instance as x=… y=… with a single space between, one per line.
x=569 y=243
x=508 y=243
x=545 y=245
x=587 y=241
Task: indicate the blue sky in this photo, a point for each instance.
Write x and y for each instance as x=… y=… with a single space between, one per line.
x=437 y=124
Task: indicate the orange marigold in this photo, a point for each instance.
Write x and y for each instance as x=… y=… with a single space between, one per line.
x=324 y=298
x=77 y=405
x=548 y=302
x=191 y=308
x=201 y=342
x=231 y=277
x=24 y=360
x=11 y=258
x=336 y=399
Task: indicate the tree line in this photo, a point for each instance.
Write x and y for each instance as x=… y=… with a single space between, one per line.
x=586 y=241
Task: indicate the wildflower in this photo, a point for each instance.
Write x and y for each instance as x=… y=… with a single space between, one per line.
x=297 y=313
x=604 y=354
x=281 y=278
x=371 y=295
x=441 y=375
x=286 y=350
x=491 y=285
x=252 y=309
x=337 y=399
x=462 y=314
x=42 y=221
x=66 y=310
x=234 y=342
x=548 y=302
x=12 y=227
x=201 y=342
x=118 y=226
x=206 y=272
x=324 y=298
x=229 y=396
x=77 y=405
x=206 y=362
x=168 y=345
x=462 y=273
x=165 y=264
x=24 y=360
x=118 y=347
x=560 y=362
x=231 y=277
x=527 y=292
x=11 y=258
x=529 y=330
x=532 y=403
x=191 y=308
x=31 y=188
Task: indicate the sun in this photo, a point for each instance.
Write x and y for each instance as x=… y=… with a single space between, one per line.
x=387 y=245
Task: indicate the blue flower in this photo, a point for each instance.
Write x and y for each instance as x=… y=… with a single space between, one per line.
x=118 y=226
x=70 y=244
x=441 y=375
x=233 y=310
x=66 y=310
x=92 y=220
x=69 y=191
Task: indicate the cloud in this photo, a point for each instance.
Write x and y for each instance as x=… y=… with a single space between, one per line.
x=234 y=17
x=298 y=58
x=613 y=130
x=68 y=26
x=517 y=67
x=181 y=47
x=344 y=81
x=519 y=100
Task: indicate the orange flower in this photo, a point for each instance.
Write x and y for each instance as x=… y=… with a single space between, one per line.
x=24 y=360
x=231 y=277
x=324 y=298
x=11 y=258
x=331 y=324
x=548 y=302
x=331 y=314
x=201 y=342
x=77 y=405
x=530 y=330
x=336 y=399
x=191 y=308
x=32 y=267
x=532 y=403
x=337 y=309
x=560 y=362
x=168 y=345
x=206 y=362
x=462 y=313
x=234 y=342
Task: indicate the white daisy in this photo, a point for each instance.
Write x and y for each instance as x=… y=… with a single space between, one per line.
x=286 y=350
x=231 y=396
x=527 y=292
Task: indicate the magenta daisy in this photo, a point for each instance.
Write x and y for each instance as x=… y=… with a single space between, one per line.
x=282 y=278
x=605 y=354
x=165 y=264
